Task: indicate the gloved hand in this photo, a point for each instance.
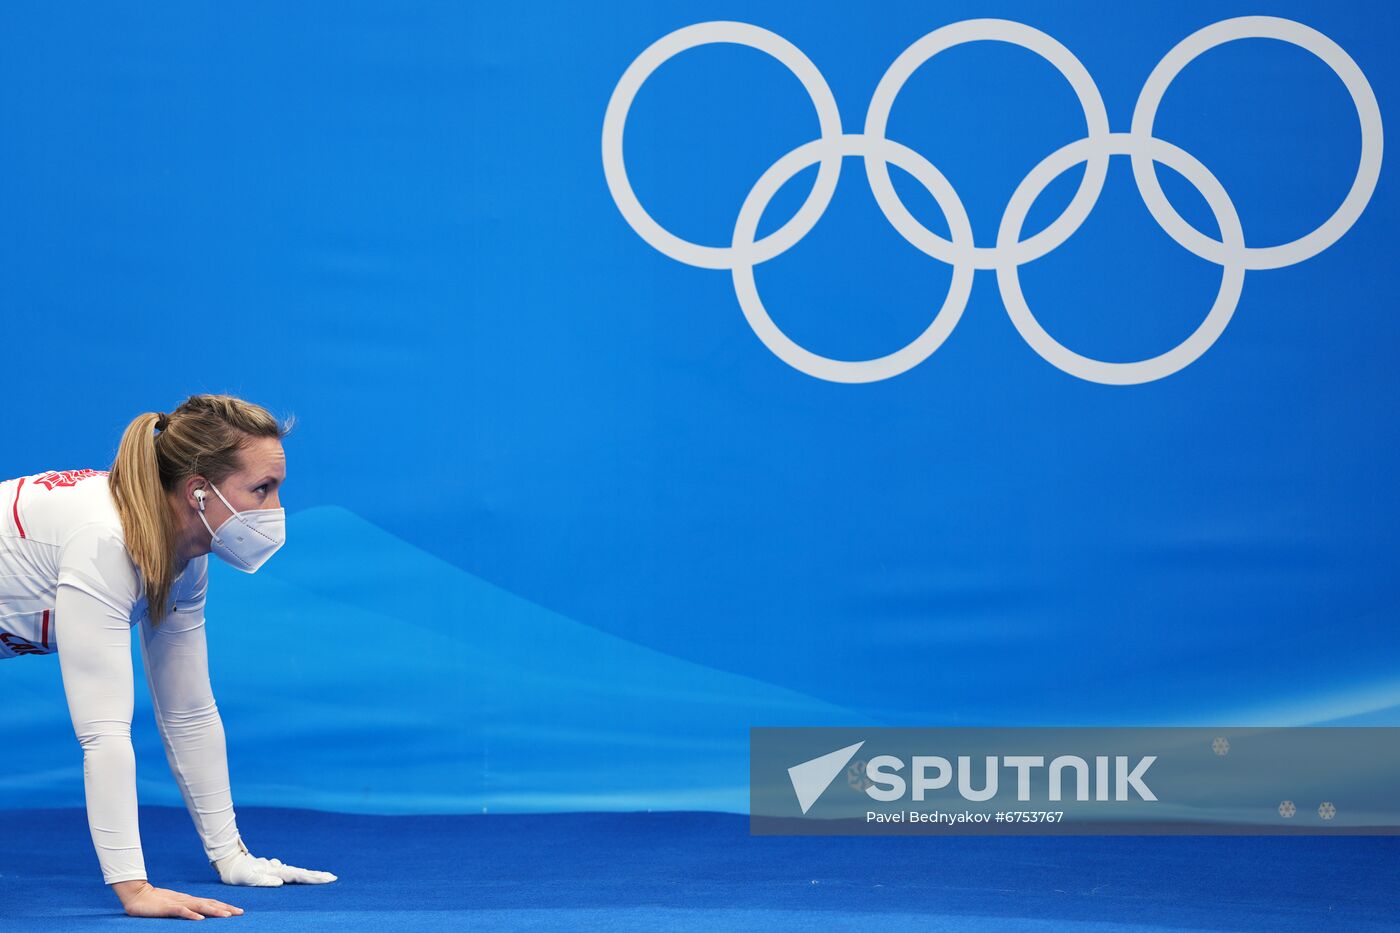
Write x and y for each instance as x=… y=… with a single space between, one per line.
x=242 y=868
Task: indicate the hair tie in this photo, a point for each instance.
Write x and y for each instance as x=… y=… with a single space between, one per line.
x=162 y=421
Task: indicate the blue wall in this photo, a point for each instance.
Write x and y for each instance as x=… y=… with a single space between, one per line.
x=561 y=528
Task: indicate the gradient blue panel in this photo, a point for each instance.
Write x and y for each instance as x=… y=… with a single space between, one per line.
x=560 y=526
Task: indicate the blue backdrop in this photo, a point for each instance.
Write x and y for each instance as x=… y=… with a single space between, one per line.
x=561 y=528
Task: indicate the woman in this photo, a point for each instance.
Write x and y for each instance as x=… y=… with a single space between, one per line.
x=87 y=554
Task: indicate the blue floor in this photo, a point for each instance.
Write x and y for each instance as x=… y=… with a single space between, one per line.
x=703 y=871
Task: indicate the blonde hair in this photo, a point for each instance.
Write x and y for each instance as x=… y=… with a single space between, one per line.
x=203 y=436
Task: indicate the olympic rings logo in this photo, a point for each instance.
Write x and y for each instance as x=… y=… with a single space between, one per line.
x=1010 y=251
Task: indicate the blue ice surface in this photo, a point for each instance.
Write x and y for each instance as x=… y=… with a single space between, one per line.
x=703 y=871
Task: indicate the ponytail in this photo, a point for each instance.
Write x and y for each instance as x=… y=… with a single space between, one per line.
x=135 y=483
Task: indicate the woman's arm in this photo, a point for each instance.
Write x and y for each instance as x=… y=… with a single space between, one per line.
x=97 y=588
x=176 y=659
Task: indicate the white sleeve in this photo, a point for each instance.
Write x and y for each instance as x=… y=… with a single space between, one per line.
x=98 y=586
x=177 y=671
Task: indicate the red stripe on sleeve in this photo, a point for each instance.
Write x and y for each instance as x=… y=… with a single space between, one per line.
x=17 y=491
x=46 y=628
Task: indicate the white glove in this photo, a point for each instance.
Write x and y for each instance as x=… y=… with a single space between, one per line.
x=242 y=868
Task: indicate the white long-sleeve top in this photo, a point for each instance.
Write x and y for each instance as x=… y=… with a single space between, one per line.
x=68 y=585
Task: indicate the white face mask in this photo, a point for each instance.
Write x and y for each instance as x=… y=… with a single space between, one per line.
x=248 y=538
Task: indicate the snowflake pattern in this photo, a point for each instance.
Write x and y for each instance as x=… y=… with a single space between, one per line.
x=856 y=776
x=1326 y=810
x=1221 y=746
x=1287 y=809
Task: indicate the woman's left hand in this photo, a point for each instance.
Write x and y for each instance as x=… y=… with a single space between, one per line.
x=243 y=868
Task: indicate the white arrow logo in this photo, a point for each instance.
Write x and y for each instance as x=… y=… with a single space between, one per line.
x=811 y=778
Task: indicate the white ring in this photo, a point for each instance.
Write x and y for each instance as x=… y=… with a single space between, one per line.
x=999 y=30
x=920 y=347
x=615 y=119
x=1232 y=262
x=1367 y=111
